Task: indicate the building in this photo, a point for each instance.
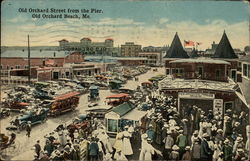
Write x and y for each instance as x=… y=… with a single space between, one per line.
x=129 y=49
x=245 y=84
x=153 y=58
x=45 y=65
x=155 y=49
x=211 y=84
x=90 y=48
x=131 y=61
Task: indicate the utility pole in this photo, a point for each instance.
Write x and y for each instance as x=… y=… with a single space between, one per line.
x=29 y=71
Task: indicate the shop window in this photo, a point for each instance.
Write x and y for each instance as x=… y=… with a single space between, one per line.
x=112 y=125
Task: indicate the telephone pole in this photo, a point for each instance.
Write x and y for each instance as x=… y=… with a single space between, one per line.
x=29 y=71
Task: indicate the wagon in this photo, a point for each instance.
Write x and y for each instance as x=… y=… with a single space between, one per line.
x=94 y=93
x=118 y=99
x=64 y=103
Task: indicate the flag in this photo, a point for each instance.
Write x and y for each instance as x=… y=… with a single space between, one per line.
x=198 y=43
x=188 y=43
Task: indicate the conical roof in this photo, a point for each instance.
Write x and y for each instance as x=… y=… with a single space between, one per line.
x=194 y=53
x=176 y=50
x=224 y=49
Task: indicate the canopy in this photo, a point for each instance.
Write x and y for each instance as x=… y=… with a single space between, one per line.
x=134 y=115
x=123 y=109
x=67 y=95
x=99 y=108
x=93 y=87
x=242 y=98
x=120 y=95
x=116 y=81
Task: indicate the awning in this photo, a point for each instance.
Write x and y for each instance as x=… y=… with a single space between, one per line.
x=134 y=115
x=67 y=95
x=242 y=98
x=120 y=95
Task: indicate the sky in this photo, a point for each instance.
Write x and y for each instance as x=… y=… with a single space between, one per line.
x=143 y=22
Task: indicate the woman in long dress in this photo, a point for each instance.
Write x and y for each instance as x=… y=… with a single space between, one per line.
x=127 y=148
x=148 y=151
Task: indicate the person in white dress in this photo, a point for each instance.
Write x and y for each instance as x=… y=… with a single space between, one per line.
x=119 y=156
x=127 y=148
x=147 y=151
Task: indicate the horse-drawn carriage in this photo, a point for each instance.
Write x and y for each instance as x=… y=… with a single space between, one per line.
x=94 y=93
x=7 y=142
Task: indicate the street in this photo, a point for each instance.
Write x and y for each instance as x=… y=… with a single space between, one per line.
x=23 y=150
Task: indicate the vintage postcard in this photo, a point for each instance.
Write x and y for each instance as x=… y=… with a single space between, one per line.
x=125 y=80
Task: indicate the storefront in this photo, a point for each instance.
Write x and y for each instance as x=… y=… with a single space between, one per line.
x=123 y=115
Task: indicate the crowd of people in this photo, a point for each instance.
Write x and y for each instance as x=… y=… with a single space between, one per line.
x=165 y=134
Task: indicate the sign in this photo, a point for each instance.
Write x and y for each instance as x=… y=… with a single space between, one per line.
x=218 y=106
x=196 y=95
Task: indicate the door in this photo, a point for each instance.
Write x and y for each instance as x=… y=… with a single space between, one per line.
x=234 y=75
x=55 y=75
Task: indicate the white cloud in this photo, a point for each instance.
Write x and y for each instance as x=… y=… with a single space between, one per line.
x=124 y=30
x=163 y=20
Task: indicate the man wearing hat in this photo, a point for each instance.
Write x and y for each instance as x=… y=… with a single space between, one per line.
x=45 y=156
x=181 y=141
x=227 y=150
x=93 y=150
x=28 y=128
x=169 y=142
x=206 y=152
x=175 y=153
x=187 y=155
x=37 y=148
x=150 y=132
x=196 y=150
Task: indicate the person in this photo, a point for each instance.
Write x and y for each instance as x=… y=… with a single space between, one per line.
x=150 y=132
x=75 y=152
x=119 y=156
x=28 y=129
x=194 y=137
x=181 y=141
x=206 y=152
x=175 y=153
x=217 y=150
x=37 y=148
x=118 y=145
x=196 y=150
x=127 y=148
x=93 y=150
x=57 y=156
x=169 y=142
x=45 y=156
x=227 y=150
x=187 y=155
x=67 y=153
x=107 y=157
x=148 y=152
x=48 y=147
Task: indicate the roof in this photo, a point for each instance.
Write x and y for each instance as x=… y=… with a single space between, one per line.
x=118 y=95
x=176 y=49
x=194 y=53
x=134 y=115
x=34 y=53
x=67 y=95
x=123 y=109
x=204 y=60
x=93 y=87
x=245 y=58
x=115 y=81
x=224 y=49
x=175 y=84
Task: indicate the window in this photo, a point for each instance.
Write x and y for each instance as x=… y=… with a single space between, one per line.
x=112 y=125
x=17 y=66
x=26 y=66
x=78 y=73
x=7 y=67
x=245 y=69
x=67 y=74
x=249 y=71
x=1 y=67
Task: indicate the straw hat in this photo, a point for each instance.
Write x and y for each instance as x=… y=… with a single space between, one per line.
x=226 y=141
x=175 y=147
x=219 y=131
x=196 y=132
x=205 y=135
x=187 y=148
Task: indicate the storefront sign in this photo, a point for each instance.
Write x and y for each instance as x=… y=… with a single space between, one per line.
x=218 y=106
x=196 y=95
